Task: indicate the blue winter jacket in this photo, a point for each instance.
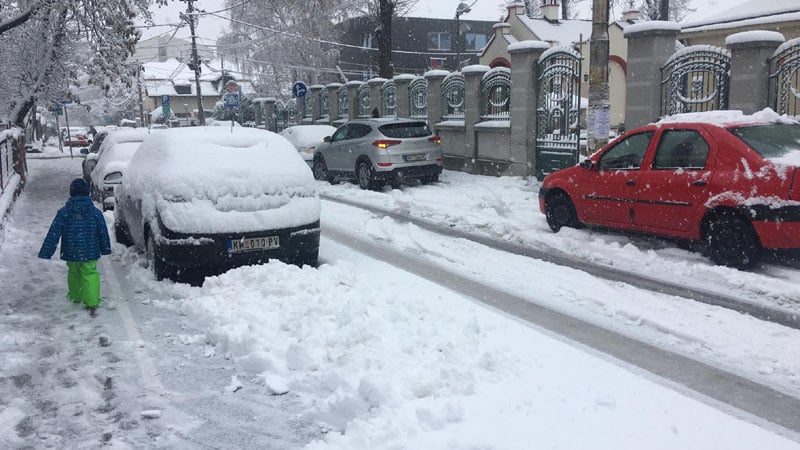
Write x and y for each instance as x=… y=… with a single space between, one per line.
x=82 y=230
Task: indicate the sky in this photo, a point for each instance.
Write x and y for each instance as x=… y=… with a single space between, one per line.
x=400 y=363
x=211 y=27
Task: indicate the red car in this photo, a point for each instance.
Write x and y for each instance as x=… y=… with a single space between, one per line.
x=77 y=137
x=729 y=181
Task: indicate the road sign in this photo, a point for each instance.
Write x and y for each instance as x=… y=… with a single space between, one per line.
x=64 y=101
x=299 y=89
x=165 y=110
x=165 y=100
x=231 y=87
x=232 y=99
x=58 y=110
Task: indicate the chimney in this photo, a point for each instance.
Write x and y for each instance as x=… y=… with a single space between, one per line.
x=516 y=9
x=631 y=15
x=551 y=10
x=501 y=28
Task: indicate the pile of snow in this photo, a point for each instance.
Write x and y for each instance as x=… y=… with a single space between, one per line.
x=729 y=117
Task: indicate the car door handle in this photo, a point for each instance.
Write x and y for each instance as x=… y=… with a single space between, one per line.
x=630 y=182
x=700 y=183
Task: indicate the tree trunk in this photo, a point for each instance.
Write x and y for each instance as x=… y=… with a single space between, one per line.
x=663 y=10
x=20 y=112
x=565 y=9
x=385 y=15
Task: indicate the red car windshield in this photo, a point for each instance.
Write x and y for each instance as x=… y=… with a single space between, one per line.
x=770 y=141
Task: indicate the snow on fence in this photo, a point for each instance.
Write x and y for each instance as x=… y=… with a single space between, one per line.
x=8 y=145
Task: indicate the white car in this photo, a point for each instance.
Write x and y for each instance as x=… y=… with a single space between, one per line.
x=202 y=200
x=106 y=167
x=306 y=138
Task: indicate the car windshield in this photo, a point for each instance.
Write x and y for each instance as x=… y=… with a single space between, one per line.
x=770 y=141
x=405 y=130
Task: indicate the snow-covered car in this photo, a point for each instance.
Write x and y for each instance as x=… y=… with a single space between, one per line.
x=106 y=166
x=75 y=137
x=306 y=138
x=89 y=162
x=202 y=200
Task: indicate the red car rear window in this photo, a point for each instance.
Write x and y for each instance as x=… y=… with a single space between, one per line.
x=770 y=141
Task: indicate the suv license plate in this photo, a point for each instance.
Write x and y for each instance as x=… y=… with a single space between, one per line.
x=250 y=244
x=415 y=157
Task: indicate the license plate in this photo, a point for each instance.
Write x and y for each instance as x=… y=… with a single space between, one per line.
x=415 y=157
x=250 y=244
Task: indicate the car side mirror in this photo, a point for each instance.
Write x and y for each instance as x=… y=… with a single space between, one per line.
x=587 y=164
x=84 y=151
x=326 y=139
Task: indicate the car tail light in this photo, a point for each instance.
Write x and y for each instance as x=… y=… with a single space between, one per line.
x=439 y=159
x=794 y=192
x=384 y=164
x=385 y=143
x=435 y=139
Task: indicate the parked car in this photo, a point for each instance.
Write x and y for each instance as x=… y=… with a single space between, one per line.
x=89 y=162
x=106 y=166
x=306 y=138
x=75 y=137
x=724 y=179
x=204 y=200
x=379 y=151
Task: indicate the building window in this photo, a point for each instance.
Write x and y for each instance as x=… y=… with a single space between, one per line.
x=366 y=40
x=474 y=41
x=438 y=41
x=183 y=89
x=437 y=63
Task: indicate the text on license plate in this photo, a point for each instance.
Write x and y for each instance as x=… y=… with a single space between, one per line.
x=415 y=157
x=257 y=243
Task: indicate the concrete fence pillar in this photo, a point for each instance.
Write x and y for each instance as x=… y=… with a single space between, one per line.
x=375 y=99
x=333 y=102
x=269 y=113
x=314 y=91
x=401 y=83
x=750 y=67
x=650 y=45
x=258 y=111
x=352 y=98
x=524 y=59
x=472 y=111
x=434 y=79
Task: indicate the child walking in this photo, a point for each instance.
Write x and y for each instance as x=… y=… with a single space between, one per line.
x=84 y=237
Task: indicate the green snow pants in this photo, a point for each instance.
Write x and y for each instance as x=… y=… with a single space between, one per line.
x=83 y=282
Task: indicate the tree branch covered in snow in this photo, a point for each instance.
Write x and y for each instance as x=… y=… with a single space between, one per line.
x=58 y=43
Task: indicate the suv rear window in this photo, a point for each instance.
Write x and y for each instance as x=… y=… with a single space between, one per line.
x=405 y=130
x=770 y=141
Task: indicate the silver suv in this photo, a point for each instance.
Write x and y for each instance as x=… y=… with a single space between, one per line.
x=380 y=151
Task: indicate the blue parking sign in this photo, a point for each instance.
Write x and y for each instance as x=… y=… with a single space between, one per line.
x=165 y=100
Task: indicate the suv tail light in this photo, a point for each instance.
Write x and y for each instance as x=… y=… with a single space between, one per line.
x=385 y=143
x=794 y=191
x=435 y=139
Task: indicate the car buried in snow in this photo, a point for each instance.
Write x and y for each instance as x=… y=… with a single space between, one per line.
x=202 y=200
x=723 y=179
x=306 y=139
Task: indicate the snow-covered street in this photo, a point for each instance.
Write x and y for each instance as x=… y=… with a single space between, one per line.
x=359 y=354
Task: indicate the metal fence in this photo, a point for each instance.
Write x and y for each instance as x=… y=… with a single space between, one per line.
x=344 y=107
x=7 y=148
x=453 y=90
x=785 y=78
x=418 y=98
x=324 y=104
x=363 y=101
x=389 y=99
x=696 y=79
x=496 y=94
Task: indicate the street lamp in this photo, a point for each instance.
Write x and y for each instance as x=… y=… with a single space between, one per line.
x=462 y=8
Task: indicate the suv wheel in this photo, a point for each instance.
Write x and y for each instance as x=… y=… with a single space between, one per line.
x=320 y=170
x=560 y=212
x=121 y=234
x=731 y=241
x=366 y=176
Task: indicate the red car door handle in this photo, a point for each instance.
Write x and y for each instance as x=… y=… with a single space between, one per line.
x=700 y=183
x=630 y=182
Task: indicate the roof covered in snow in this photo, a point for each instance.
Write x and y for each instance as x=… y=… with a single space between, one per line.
x=161 y=78
x=754 y=12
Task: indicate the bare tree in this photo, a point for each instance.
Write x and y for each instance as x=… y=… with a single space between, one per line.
x=674 y=10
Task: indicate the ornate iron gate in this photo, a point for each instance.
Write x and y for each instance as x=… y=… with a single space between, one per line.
x=785 y=78
x=324 y=104
x=344 y=108
x=558 y=110
x=418 y=98
x=453 y=89
x=363 y=100
x=695 y=79
x=281 y=117
x=389 y=99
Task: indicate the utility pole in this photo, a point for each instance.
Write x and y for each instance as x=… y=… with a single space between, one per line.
x=663 y=10
x=598 y=116
x=139 y=86
x=190 y=17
